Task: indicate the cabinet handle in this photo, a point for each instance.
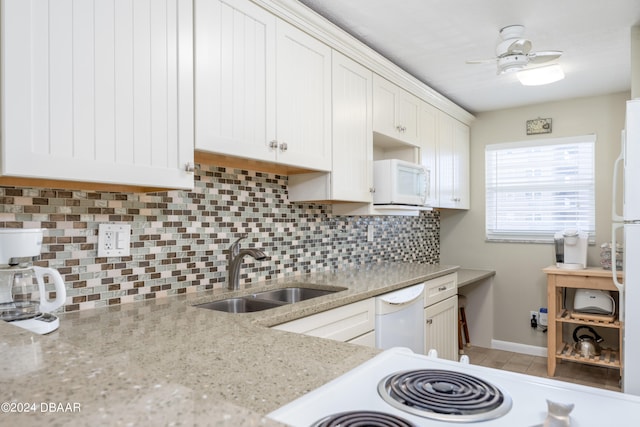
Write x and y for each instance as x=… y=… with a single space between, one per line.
x=429 y=321
x=372 y=190
x=442 y=288
x=273 y=144
x=399 y=128
x=283 y=146
x=189 y=167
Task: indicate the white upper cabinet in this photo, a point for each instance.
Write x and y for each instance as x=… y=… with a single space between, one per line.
x=428 y=132
x=351 y=178
x=453 y=163
x=235 y=71
x=263 y=87
x=98 y=92
x=395 y=113
x=303 y=99
x=352 y=174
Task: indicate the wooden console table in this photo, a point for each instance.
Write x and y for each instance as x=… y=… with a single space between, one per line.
x=557 y=349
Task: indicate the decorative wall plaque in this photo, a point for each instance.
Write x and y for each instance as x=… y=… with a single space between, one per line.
x=537 y=126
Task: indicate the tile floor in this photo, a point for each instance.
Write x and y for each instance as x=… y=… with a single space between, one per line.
x=595 y=376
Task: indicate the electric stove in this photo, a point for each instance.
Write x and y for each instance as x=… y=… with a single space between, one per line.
x=402 y=388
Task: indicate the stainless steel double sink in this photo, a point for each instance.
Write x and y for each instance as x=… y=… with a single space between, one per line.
x=268 y=299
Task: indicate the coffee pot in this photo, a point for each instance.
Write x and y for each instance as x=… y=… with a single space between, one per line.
x=23 y=293
x=571 y=249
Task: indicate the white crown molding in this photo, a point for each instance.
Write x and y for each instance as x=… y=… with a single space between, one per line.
x=317 y=26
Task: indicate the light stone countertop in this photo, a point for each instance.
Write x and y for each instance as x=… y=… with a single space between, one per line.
x=165 y=362
x=467 y=276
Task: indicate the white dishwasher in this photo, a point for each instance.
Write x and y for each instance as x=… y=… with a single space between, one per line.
x=400 y=319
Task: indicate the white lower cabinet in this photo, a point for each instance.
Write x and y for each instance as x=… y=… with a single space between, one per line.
x=367 y=340
x=350 y=323
x=98 y=92
x=441 y=316
x=441 y=331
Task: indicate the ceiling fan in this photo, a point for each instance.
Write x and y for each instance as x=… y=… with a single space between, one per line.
x=513 y=52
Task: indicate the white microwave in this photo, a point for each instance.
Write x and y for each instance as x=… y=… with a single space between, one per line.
x=397 y=182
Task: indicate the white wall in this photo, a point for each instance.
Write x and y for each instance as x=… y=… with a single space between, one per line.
x=519 y=285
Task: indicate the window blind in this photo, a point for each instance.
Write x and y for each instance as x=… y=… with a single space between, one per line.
x=537 y=188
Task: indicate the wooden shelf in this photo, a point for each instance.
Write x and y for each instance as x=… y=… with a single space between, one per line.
x=608 y=357
x=557 y=349
x=565 y=317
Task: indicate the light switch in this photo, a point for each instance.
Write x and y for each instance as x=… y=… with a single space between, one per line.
x=114 y=240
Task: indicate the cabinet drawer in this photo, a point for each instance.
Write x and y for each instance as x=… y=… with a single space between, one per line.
x=367 y=340
x=588 y=282
x=440 y=288
x=340 y=324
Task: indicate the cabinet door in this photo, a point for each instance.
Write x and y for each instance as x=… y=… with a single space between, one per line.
x=235 y=79
x=453 y=162
x=428 y=142
x=303 y=99
x=385 y=96
x=367 y=340
x=442 y=328
x=98 y=91
x=461 y=164
x=407 y=116
x=351 y=176
x=395 y=112
x=341 y=324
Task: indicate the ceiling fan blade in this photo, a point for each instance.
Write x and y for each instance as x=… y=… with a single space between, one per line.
x=482 y=61
x=522 y=46
x=544 y=56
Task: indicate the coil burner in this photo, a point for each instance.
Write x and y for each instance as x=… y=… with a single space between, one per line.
x=444 y=395
x=363 y=418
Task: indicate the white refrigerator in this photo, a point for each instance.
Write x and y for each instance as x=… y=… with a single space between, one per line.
x=627 y=224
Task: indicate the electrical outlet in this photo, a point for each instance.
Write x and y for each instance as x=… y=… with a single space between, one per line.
x=114 y=240
x=532 y=315
x=370 y=233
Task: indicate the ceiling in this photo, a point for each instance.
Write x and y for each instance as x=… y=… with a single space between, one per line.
x=433 y=39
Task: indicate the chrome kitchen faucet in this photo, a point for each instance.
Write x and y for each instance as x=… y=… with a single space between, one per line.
x=235 y=261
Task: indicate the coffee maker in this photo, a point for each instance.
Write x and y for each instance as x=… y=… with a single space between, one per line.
x=571 y=249
x=23 y=294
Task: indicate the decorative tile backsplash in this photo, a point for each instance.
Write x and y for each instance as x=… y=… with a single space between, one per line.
x=180 y=238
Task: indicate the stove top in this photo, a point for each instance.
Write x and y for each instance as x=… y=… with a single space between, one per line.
x=513 y=399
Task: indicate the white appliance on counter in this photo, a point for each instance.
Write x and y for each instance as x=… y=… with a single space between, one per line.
x=629 y=222
x=401 y=388
x=400 y=319
x=397 y=182
x=571 y=249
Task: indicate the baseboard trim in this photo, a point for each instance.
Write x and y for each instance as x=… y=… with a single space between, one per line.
x=515 y=347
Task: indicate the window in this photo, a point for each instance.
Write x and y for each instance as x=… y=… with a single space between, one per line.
x=537 y=188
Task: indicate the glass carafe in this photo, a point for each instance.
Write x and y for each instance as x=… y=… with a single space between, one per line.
x=23 y=294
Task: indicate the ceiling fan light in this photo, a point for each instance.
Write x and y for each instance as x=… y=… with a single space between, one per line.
x=541 y=75
x=511 y=63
